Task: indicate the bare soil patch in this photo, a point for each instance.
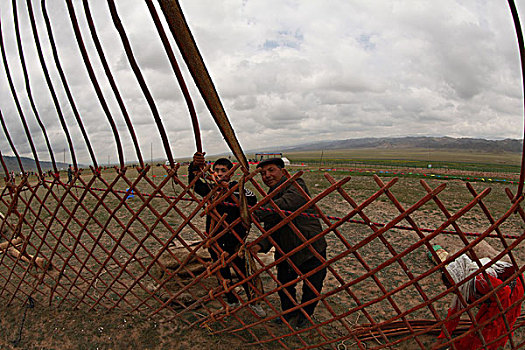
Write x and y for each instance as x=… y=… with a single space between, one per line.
x=49 y=327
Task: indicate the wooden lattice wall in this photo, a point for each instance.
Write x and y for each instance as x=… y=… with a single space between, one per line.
x=128 y=238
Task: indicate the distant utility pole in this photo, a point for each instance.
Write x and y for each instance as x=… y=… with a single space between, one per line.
x=64 y=155
x=108 y=160
x=151 y=160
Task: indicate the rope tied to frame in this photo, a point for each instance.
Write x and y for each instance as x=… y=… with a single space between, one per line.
x=29 y=305
x=251 y=269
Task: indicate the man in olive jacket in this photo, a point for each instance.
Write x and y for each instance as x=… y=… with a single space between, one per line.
x=290 y=199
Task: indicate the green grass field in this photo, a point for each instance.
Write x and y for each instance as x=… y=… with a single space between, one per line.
x=411 y=158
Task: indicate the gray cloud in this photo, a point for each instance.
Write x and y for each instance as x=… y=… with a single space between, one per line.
x=287 y=72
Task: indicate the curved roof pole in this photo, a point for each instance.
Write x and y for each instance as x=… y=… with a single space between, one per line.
x=178 y=74
x=112 y=82
x=51 y=90
x=29 y=92
x=17 y=101
x=65 y=84
x=7 y=177
x=140 y=79
x=94 y=81
x=13 y=148
x=521 y=44
x=188 y=48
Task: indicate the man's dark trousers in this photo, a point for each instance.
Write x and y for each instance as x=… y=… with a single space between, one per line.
x=285 y=274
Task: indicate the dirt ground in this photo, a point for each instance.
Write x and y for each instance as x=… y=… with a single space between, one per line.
x=49 y=327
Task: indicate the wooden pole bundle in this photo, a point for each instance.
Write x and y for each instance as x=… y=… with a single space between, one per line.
x=11 y=245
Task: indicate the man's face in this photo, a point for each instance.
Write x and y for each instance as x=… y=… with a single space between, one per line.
x=221 y=171
x=271 y=174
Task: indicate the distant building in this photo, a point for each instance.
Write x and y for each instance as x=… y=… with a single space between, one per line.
x=260 y=156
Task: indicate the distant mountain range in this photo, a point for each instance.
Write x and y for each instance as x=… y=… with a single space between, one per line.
x=29 y=164
x=483 y=145
x=448 y=143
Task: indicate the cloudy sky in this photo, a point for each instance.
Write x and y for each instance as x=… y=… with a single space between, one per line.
x=288 y=72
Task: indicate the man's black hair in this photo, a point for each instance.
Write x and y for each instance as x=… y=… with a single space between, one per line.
x=223 y=161
x=276 y=161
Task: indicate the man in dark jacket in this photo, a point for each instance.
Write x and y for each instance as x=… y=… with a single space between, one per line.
x=290 y=199
x=69 y=174
x=230 y=241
